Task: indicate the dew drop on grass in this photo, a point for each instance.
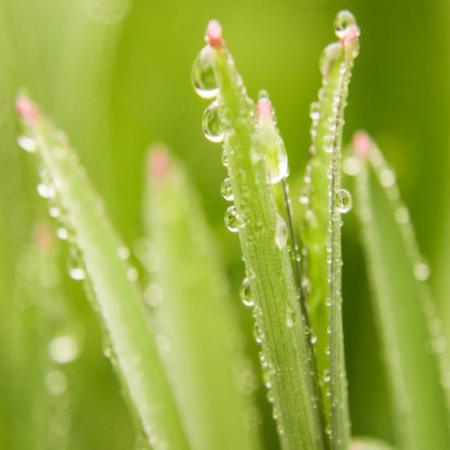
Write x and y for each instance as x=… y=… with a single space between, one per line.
x=352 y=165
x=289 y=317
x=132 y=274
x=211 y=123
x=387 y=178
x=226 y=190
x=232 y=219
x=123 y=253
x=281 y=232
x=62 y=233
x=342 y=20
x=328 y=143
x=63 y=349
x=422 y=271
x=202 y=74
x=55 y=382
x=314 y=111
x=328 y=56
x=77 y=273
x=402 y=215
x=27 y=143
x=245 y=293
x=224 y=159
x=344 y=201
x=46 y=190
x=153 y=295
x=326 y=376
x=304 y=196
x=54 y=211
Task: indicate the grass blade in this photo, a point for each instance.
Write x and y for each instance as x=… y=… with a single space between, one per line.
x=321 y=233
x=115 y=295
x=279 y=324
x=192 y=313
x=408 y=325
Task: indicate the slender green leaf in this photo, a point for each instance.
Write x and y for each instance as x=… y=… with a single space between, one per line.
x=279 y=324
x=116 y=296
x=407 y=319
x=321 y=234
x=192 y=314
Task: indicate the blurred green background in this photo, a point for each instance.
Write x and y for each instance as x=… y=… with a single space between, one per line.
x=115 y=75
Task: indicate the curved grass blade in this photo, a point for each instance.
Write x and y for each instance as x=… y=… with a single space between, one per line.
x=279 y=324
x=115 y=295
x=321 y=235
x=408 y=324
x=192 y=315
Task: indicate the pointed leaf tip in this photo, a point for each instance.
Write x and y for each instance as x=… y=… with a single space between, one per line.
x=350 y=36
x=362 y=144
x=264 y=109
x=26 y=109
x=158 y=162
x=214 y=34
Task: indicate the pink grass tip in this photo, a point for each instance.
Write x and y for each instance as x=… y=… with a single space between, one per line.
x=43 y=237
x=27 y=110
x=214 y=34
x=362 y=144
x=158 y=162
x=350 y=36
x=264 y=109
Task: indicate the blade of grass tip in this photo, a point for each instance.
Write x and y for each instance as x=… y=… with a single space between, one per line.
x=192 y=315
x=321 y=236
x=364 y=443
x=116 y=295
x=408 y=324
x=263 y=233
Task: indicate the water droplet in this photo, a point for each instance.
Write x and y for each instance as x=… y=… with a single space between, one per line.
x=329 y=430
x=313 y=336
x=63 y=349
x=77 y=273
x=402 y=215
x=328 y=56
x=352 y=165
x=387 y=178
x=46 y=190
x=226 y=190
x=304 y=196
x=123 y=253
x=232 y=219
x=211 y=123
x=132 y=274
x=203 y=77
x=328 y=143
x=281 y=232
x=224 y=159
x=422 y=271
x=342 y=20
x=344 y=201
x=27 y=143
x=289 y=317
x=54 y=211
x=62 y=233
x=314 y=111
x=55 y=382
x=245 y=293
x=258 y=333
x=153 y=295
x=326 y=376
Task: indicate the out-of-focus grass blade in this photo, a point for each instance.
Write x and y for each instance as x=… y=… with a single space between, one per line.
x=272 y=291
x=406 y=315
x=116 y=296
x=193 y=317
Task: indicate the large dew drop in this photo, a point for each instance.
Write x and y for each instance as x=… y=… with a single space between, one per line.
x=328 y=56
x=232 y=219
x=211 y=123
x=281 y=232
x=226 y=190
x=344 y=201
x=342 y=20
x=274 y=149
x=203 y=77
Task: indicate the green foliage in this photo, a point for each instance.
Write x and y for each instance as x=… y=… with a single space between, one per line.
x=115 y=76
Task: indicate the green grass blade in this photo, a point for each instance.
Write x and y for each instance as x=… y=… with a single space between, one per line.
x=279 y=324
x=407 y=322
x=321 y=233
x=192 y=314
x=115 y=295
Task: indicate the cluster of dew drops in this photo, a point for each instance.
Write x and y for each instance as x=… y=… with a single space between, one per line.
x=46 y=189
